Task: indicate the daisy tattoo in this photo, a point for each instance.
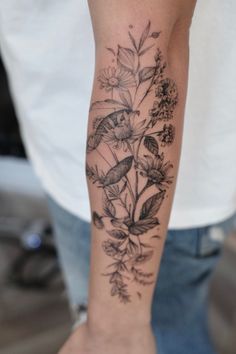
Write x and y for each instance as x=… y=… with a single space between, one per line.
x=137 y=175
x=116 y=79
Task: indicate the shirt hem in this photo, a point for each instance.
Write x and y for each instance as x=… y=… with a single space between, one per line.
x=196 y=219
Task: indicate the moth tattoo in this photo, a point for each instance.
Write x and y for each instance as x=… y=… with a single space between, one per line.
x=137 y=175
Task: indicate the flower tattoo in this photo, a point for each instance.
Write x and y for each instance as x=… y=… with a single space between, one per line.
x=167 y=95
x=137 y=174
x=116 y=78
x=167 y=135
x=126 y=132
x=156 y=171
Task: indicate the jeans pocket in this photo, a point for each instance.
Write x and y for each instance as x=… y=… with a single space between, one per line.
x=183 y=243
x=209 y=241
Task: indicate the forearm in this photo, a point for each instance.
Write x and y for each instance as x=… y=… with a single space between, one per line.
x=134 y=141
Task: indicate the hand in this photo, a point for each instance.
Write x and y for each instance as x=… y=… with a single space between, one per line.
x=87 y=341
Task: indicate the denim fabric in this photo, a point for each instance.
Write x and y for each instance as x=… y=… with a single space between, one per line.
x=72 y=236
x=179 y=313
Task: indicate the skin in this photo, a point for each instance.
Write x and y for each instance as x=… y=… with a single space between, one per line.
x=87 y=341
x=114 y=326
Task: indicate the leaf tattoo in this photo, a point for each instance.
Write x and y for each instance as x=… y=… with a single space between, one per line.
x=152 y=145
x=108 y=104
x=152 y=205
x=97 y=220
x=116 y=173
x=146 y=73
x=133 y=184
x=118 y=234
x=143 y=258
x=109 y=208
x=142 y=226
x=144 y=35
x=133 y=41
x=126 y=58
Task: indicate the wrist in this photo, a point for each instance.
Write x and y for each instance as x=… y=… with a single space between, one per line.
x=120 y=332
x=118 y=319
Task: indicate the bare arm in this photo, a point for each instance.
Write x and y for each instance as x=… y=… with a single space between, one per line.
x=134 y=140
x=135 y=129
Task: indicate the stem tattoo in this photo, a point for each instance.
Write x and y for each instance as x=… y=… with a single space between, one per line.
x=137 y=141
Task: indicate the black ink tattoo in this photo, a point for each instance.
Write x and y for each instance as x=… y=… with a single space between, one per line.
x=128 y=214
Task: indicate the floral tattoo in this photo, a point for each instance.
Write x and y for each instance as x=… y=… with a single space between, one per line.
x=136 y=143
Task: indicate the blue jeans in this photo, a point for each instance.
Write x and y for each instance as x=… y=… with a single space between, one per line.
x=179 y=314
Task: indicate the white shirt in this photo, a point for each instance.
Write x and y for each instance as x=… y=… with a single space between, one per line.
x=48 y=50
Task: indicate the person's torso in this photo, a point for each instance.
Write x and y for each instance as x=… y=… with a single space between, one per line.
x=48 y=49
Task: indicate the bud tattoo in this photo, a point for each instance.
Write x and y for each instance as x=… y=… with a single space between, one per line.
x=137 y=176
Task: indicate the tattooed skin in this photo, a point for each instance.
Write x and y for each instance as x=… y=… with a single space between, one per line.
x=137 y=143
